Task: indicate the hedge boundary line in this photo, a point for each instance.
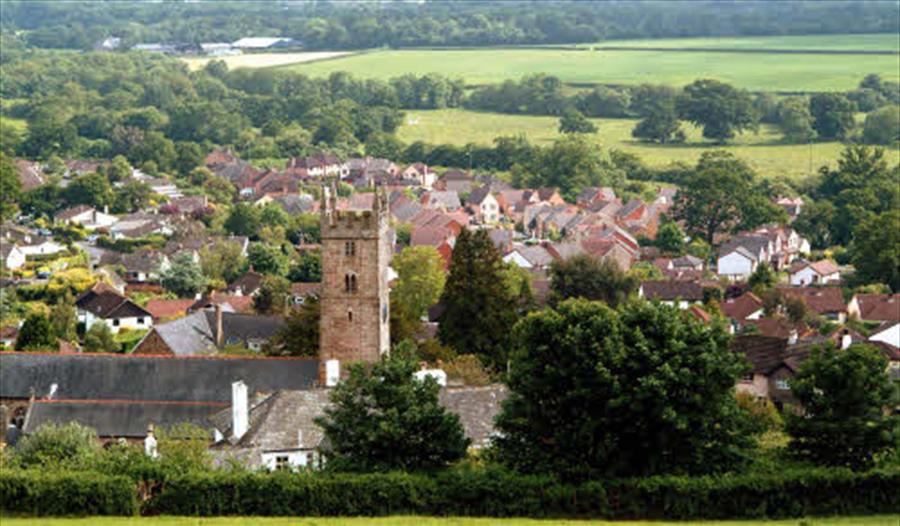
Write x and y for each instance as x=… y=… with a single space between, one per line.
x=485 y=493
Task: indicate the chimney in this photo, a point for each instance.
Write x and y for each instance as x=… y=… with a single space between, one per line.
x=332 y=372
x=150 y=443
x=846 y=339
x=240 y=414
x=792 y=339
x=219 y=333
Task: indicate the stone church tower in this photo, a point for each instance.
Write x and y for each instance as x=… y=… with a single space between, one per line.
x=356 y=251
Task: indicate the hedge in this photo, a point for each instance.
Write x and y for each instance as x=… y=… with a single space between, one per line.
x=495 y=493
x=69 y=493
x=459 y=492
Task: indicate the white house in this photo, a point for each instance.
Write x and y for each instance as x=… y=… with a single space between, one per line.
x=889 y=335
x=42 y=247
x=818 y=272
x=11 y=256
x=737 y=263
x=484 y=205
x=104 y=304
x=86 y=216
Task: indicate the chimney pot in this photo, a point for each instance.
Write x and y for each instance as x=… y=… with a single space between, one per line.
x=240 y=414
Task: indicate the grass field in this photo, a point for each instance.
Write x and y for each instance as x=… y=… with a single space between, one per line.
x=763 y=151
x=758 y=72
x=876 y=42
x=264 y=60
x=883 y=520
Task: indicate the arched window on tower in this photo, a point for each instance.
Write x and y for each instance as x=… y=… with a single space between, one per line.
x=350 y=283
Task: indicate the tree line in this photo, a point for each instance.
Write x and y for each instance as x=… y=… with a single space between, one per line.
x=327 y=25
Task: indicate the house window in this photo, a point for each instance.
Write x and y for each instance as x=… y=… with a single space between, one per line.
x=350 y=283
x=282 y=462
x=747 y=377
x=350 y=248
x=782 y=384
x=140 y=321
x=116 y=322
x=309 y=459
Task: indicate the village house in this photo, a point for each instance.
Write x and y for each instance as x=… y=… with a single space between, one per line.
x=11 y=256
x=317 y=166
x=445 y=201
x=85 y=216
x=483 y=205
x=455 y=181
x=144 y=266
x=739 y=257
x=207 y=331
x=529 y=257
x=888 y=333
x=824 y=301
x=104 y=304
x=875 y=307
x=792 y=205
x=747 y=306
x=774 y=362
x=420 y=174
x=681 y=294
x=820 y=272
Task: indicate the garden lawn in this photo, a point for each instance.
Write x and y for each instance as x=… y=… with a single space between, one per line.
x=763 y=151
x=883 y=520
x=779 y=72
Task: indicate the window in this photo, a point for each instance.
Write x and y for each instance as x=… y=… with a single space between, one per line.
x=350 y=248
x=350 y=283
x=350 y=316
x=282 y=462
x=140 y=321
x=309 y=459
x=747 y=377
x=116 y=322
x=782 y=384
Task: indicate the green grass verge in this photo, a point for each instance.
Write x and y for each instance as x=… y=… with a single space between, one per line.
x=763 y=151
x=882 y=520
x=762 y=72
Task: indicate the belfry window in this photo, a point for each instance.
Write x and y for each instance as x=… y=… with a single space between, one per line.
x=350 y=248
x=350 y=283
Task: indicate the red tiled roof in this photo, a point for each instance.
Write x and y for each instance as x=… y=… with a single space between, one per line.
x=742 y=306
x=160 y=308
x=879 y=307
x=822 y=300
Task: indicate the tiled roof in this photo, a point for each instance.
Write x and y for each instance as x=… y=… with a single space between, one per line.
x=822 y=300
x=742 y=306
x=161 y=308
x=672 y=290
x=879 y=307
x=105 y=302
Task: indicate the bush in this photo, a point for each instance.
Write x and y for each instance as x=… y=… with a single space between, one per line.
x=494 y=492
x=71 y=493
x=62 y=446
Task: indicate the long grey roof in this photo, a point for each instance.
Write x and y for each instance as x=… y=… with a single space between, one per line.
x=133 y=377
x=194 y=334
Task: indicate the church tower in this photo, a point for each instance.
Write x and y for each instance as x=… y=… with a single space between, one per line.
x=356 y=251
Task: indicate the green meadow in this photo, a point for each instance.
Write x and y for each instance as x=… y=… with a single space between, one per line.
x=870 y=42
x=781 y=72
x=763 y=151
x=883 y=520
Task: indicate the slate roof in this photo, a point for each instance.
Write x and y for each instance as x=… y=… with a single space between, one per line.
x=106 y=303
x=477 y=408
x=447 y=199
x=478 y=195
x=69 y=213
x=146 y=261
x=119 y=418
x=879 y=307
x=195 y=334
x=248 y=283
x=537 y=255
x=84 y=376
x=672 y=290
x=751 y=244
x=687 y=261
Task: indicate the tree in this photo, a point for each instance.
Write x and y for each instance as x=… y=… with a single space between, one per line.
x=10 y=188
x=54 y=446
x=223 y=260
x=220 y=191
x=268 y=259
x=585 y=276
x=670 y=238
x=721 y=109
x=300 y=335
x=184 y=277
x=721 y=195
x=597 y=393
x=36 y=334
x=478 y=310
x=131 y=197
x=308 y=269
x=763 y=277
x=843 y=394
x=273 y=297
x=573 y=121
x=882 y=126
x=64 y=319
x=660 y=120
x=386 y=420
x=814 y=223
x=421 y=279
x=119 y=169
x=795 y=119
x=832 y=115
x=244 y=220
x=99 y=338
x=876 y=249
x=90 y=189
x=570 y=164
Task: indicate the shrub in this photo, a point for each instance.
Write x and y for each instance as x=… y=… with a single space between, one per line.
x=71 y=493
x=68 y=445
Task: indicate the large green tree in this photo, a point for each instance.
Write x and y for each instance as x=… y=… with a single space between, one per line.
x=300 y=335
x=832 y=115
x=267 y=259
x=720 y=108
x=99 y=338
x=597 y=393
x=570 y=164
x=244 y=220
x=184 y=277
x=90 y=189
x=585 y=276
x=882 y=126
x=64 y=318
x=721 y=195
x=10 y=188
x=421 y=279
x=876 y=249
x=843 y=394
x=385 y=419
x=36 y=334
x=478 y=308
x=795 y=119
x=573 y=121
